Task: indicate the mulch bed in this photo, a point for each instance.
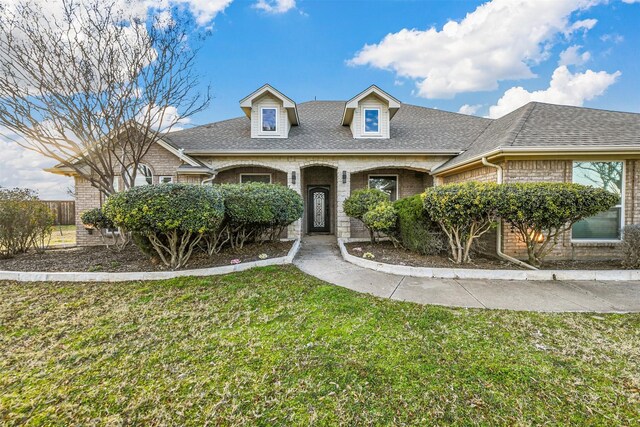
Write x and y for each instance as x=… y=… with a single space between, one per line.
x=99 y=258
x=385 y=252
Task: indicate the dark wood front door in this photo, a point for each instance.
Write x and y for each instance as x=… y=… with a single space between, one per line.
x=318 y=214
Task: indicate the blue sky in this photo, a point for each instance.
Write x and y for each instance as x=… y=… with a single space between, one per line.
x=305 y=53
x=483 y=58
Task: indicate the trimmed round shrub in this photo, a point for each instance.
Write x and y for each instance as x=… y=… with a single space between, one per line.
x=631 y=246
x=256 y=211
x=173 y=217
x=96 y=218
x=464 y=212
x=362 y=201
x=541 y=212
x=25 y=222
x=382 y=219
x=415 y=230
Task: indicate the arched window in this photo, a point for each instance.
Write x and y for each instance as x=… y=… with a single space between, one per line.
x=144 y=176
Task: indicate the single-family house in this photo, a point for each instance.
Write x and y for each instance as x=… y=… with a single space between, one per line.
x=327 y=149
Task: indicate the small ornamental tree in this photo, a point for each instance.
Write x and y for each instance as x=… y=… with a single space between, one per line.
x=382 y=219
x=362 y=201
x=173 y=217
x=464 y=212
x=541 y=212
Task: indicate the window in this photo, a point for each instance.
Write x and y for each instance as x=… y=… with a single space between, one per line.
x=386 y=183
x=606 y=225
x=165 y=179
x=371 y=120
x=255 y=177
x=269 y=119
x=144 y=176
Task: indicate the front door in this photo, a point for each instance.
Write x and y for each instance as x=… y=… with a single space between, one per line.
x=318 y=217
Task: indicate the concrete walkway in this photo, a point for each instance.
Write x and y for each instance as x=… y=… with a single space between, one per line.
x=319 y=257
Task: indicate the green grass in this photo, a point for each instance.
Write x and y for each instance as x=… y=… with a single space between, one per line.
x=273 y=346
x=63 y=235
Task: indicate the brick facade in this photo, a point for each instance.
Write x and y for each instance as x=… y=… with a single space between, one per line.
x=555 y=171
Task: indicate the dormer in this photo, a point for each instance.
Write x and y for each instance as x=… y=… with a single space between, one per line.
x=271 y=113
x=368 y=114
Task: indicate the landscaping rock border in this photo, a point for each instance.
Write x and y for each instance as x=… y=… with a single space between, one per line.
x=473 y=273
x=27 y=276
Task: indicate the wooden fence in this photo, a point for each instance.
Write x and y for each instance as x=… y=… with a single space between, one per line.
x=64 y=211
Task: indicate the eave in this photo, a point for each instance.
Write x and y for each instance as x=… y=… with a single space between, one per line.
x=546 y=152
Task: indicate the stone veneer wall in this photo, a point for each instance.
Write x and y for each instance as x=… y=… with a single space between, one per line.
x=320 y=176
x=350 y=164
x=410 y=182
x=232 y=176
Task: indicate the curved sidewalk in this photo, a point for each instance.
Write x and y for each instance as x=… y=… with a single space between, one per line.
x=319 y=256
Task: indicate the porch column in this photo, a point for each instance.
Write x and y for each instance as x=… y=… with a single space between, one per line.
x=294 y=181
x=343 y=229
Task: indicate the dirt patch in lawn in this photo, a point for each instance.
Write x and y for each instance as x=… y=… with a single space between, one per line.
x=99 y=258
x=385 y=252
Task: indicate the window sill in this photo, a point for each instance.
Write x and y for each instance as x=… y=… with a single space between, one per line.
x=596 y=243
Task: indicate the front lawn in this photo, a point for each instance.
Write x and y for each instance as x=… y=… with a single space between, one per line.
x=273 y=346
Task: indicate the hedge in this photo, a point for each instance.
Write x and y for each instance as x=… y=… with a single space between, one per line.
x=25 y=222
x=362 y=201
x=416 y=231
x=173 y=217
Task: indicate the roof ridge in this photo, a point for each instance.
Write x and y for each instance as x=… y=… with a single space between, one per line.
x=523 y=120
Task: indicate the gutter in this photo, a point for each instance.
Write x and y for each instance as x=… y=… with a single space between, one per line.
x=499 y=180
x=618 y=150
x=322 y=153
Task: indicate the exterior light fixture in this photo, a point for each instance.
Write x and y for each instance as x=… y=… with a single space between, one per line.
x=344 y=177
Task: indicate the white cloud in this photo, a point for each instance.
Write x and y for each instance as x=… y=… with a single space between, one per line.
x=469 y=109
x=499 y=40
x=565 y=88
x=24 y=168
x=572 y=56
x=275 y=6
x=204 y=11
x=630 y=1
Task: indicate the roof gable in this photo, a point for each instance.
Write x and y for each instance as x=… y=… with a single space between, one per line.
x=287 y=103
x=352 y=104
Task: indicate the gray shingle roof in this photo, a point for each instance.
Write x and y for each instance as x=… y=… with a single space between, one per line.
x=413 y=129
x=540 y=125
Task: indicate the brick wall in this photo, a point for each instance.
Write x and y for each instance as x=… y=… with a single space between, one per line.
x=160 y=161
x=561 y=171
x=481 y=174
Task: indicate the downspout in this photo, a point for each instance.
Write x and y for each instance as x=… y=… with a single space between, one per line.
x=208 y=180
x=499 y=180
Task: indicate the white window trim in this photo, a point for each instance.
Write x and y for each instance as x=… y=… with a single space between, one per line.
x=621 y=205
x=374 y=175
x=161 y=177
x=364 y=121
x=269 y=132
x=254 y=174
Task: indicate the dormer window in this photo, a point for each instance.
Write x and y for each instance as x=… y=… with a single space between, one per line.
x=269 y=119
x=371 y=123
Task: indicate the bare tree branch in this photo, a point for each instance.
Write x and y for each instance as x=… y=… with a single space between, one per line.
x=95 y=87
